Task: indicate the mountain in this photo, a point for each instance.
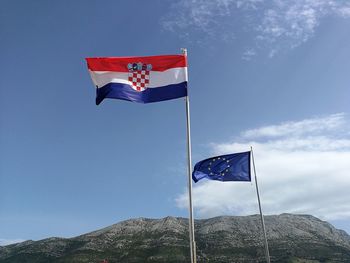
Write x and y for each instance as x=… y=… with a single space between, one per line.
x=292 y=238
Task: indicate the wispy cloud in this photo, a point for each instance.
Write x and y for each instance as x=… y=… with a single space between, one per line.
x=303 y=167
x=294 y=22
x=309 y=126
x=271 y=25
x=248 y=54
x=5 y=242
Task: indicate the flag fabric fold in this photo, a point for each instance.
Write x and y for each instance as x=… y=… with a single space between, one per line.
x=139 y=79
x=229 y=167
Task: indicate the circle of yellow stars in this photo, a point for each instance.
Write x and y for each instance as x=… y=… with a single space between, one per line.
x=216 y=159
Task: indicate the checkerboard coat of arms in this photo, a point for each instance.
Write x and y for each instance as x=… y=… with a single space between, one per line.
x=139 y=75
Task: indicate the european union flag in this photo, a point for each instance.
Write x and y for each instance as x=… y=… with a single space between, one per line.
x=229 y=167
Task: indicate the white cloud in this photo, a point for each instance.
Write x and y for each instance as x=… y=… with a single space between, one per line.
x=248 y=54
x=314 y=125
x=344 y=11
x=303 y=167
x=275 y=24
x=5 y=242
x=295 y=21
x=199 y=15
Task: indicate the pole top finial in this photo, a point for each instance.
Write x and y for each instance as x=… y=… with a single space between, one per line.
x=184 y=51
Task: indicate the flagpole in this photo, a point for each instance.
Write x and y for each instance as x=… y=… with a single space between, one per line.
x=189 y=170
x=267 y=254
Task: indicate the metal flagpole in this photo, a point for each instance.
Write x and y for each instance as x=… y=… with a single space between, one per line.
x=267 y=254
x=189 y=169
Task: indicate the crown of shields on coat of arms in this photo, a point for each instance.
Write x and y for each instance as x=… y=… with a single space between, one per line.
x=139 y=75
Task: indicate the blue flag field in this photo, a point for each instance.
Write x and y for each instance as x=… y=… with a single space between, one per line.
x=230 y=167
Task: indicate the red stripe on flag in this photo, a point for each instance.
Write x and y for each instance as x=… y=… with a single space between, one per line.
x=120 y=64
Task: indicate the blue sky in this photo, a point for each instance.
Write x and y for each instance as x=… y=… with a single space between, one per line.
x=270 y=74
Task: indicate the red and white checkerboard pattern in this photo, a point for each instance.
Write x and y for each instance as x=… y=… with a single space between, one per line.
x=139 y=79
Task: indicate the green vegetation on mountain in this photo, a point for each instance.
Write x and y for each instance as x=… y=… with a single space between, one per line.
x=292 y=239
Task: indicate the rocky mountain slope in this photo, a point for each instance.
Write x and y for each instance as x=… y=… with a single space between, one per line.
x=292 y=238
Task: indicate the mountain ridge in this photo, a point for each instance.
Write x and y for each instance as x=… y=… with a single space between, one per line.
x=292 y=238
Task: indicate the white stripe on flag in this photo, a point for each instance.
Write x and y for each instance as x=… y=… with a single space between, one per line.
x=157 y=78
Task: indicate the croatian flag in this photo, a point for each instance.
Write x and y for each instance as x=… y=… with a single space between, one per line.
x=139 y=79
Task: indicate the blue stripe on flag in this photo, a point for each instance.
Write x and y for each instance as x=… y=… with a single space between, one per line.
x=125 y=92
